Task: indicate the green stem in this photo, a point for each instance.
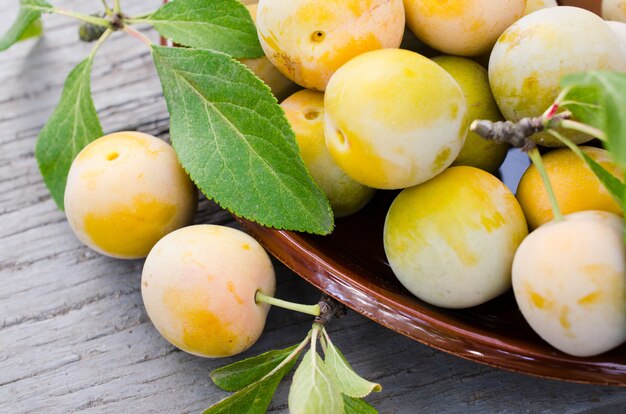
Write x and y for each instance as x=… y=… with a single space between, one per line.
x=314 y=333
x=139 y=20
x=585 y=129
x=562 y=95
x=566 y=141
x=100 y=41
x=326 y=338
x=117 y=8
x=535 y=157
x=98 y=21
x=290 y=357
x=313 y=310
x=547 y=112
x=107 y=9
x=138 y=35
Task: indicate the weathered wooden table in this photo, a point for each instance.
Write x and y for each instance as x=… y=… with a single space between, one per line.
x=74 y=335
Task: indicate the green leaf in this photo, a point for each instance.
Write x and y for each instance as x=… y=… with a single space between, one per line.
x=357 y=406
x=30 y=11
x=584 y=104
x=348 y=381
x=221 y=25
x=610 y=94
x=233 y=139
x=236 y=376
x=73 y=124
x=35 y=29
x=253 y=399
x=613 y=185
x=624 y=204
x=312 y=389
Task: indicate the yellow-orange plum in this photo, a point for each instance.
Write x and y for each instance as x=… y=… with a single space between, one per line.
x=308 y=40
x=199 y=285
x=569 y=280
x=125 y=191
x=280 y=85
x=619 y=28
x=533 y=54
x=575 y=186
x=461 y=27
x=451 y=240
x=534 y=5
x=305 y=112
x=474 y=82
x=614 y=10
x=393 y=118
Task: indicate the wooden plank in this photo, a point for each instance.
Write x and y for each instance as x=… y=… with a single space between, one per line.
x=74 y=336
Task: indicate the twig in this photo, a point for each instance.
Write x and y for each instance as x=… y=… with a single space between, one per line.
x=137 y=34
x=100 y=41
x=329 y=308
x=107 y=9
x=98 y=21
x=517 y=134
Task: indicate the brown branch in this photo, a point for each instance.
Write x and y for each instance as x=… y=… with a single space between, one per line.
x=329 y=308
x=516 y=134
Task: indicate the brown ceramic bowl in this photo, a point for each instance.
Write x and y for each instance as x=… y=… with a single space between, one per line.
x=350 y=265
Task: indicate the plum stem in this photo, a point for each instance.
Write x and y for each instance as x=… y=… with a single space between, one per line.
x=137 y=35
x=100 y=41
x=315 y=331
x=98 y=21
x=584 y=128
x=517 y=133
x=107 y=10
x=567 y=142
x=329 y=308
x=291 y=356
x=313 y=310
x=513 y=133
x=535 y=157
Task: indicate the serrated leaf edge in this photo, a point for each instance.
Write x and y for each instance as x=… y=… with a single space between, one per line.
x=348 y=370
x=292 y=142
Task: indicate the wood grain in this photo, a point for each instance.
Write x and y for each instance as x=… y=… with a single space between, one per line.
x=74 y=336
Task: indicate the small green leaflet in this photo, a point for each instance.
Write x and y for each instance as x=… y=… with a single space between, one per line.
x=357 y=406
x=584 y=104
x=312 y=389
x=612 y=184
x=348 y=381
x=30 y=11
x=235 y=142
x=610 y=94
x=73 y=124
x=35 y=29
x=253 y=399
x=221 y=25
x=236 y=376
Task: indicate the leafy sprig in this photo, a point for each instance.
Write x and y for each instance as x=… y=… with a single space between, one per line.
x=593 y=103
x=228 y=130
x=319 y=385
x=73 y=124
x=30 y=12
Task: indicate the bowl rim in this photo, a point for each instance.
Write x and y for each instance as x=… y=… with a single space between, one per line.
x=426 y=326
